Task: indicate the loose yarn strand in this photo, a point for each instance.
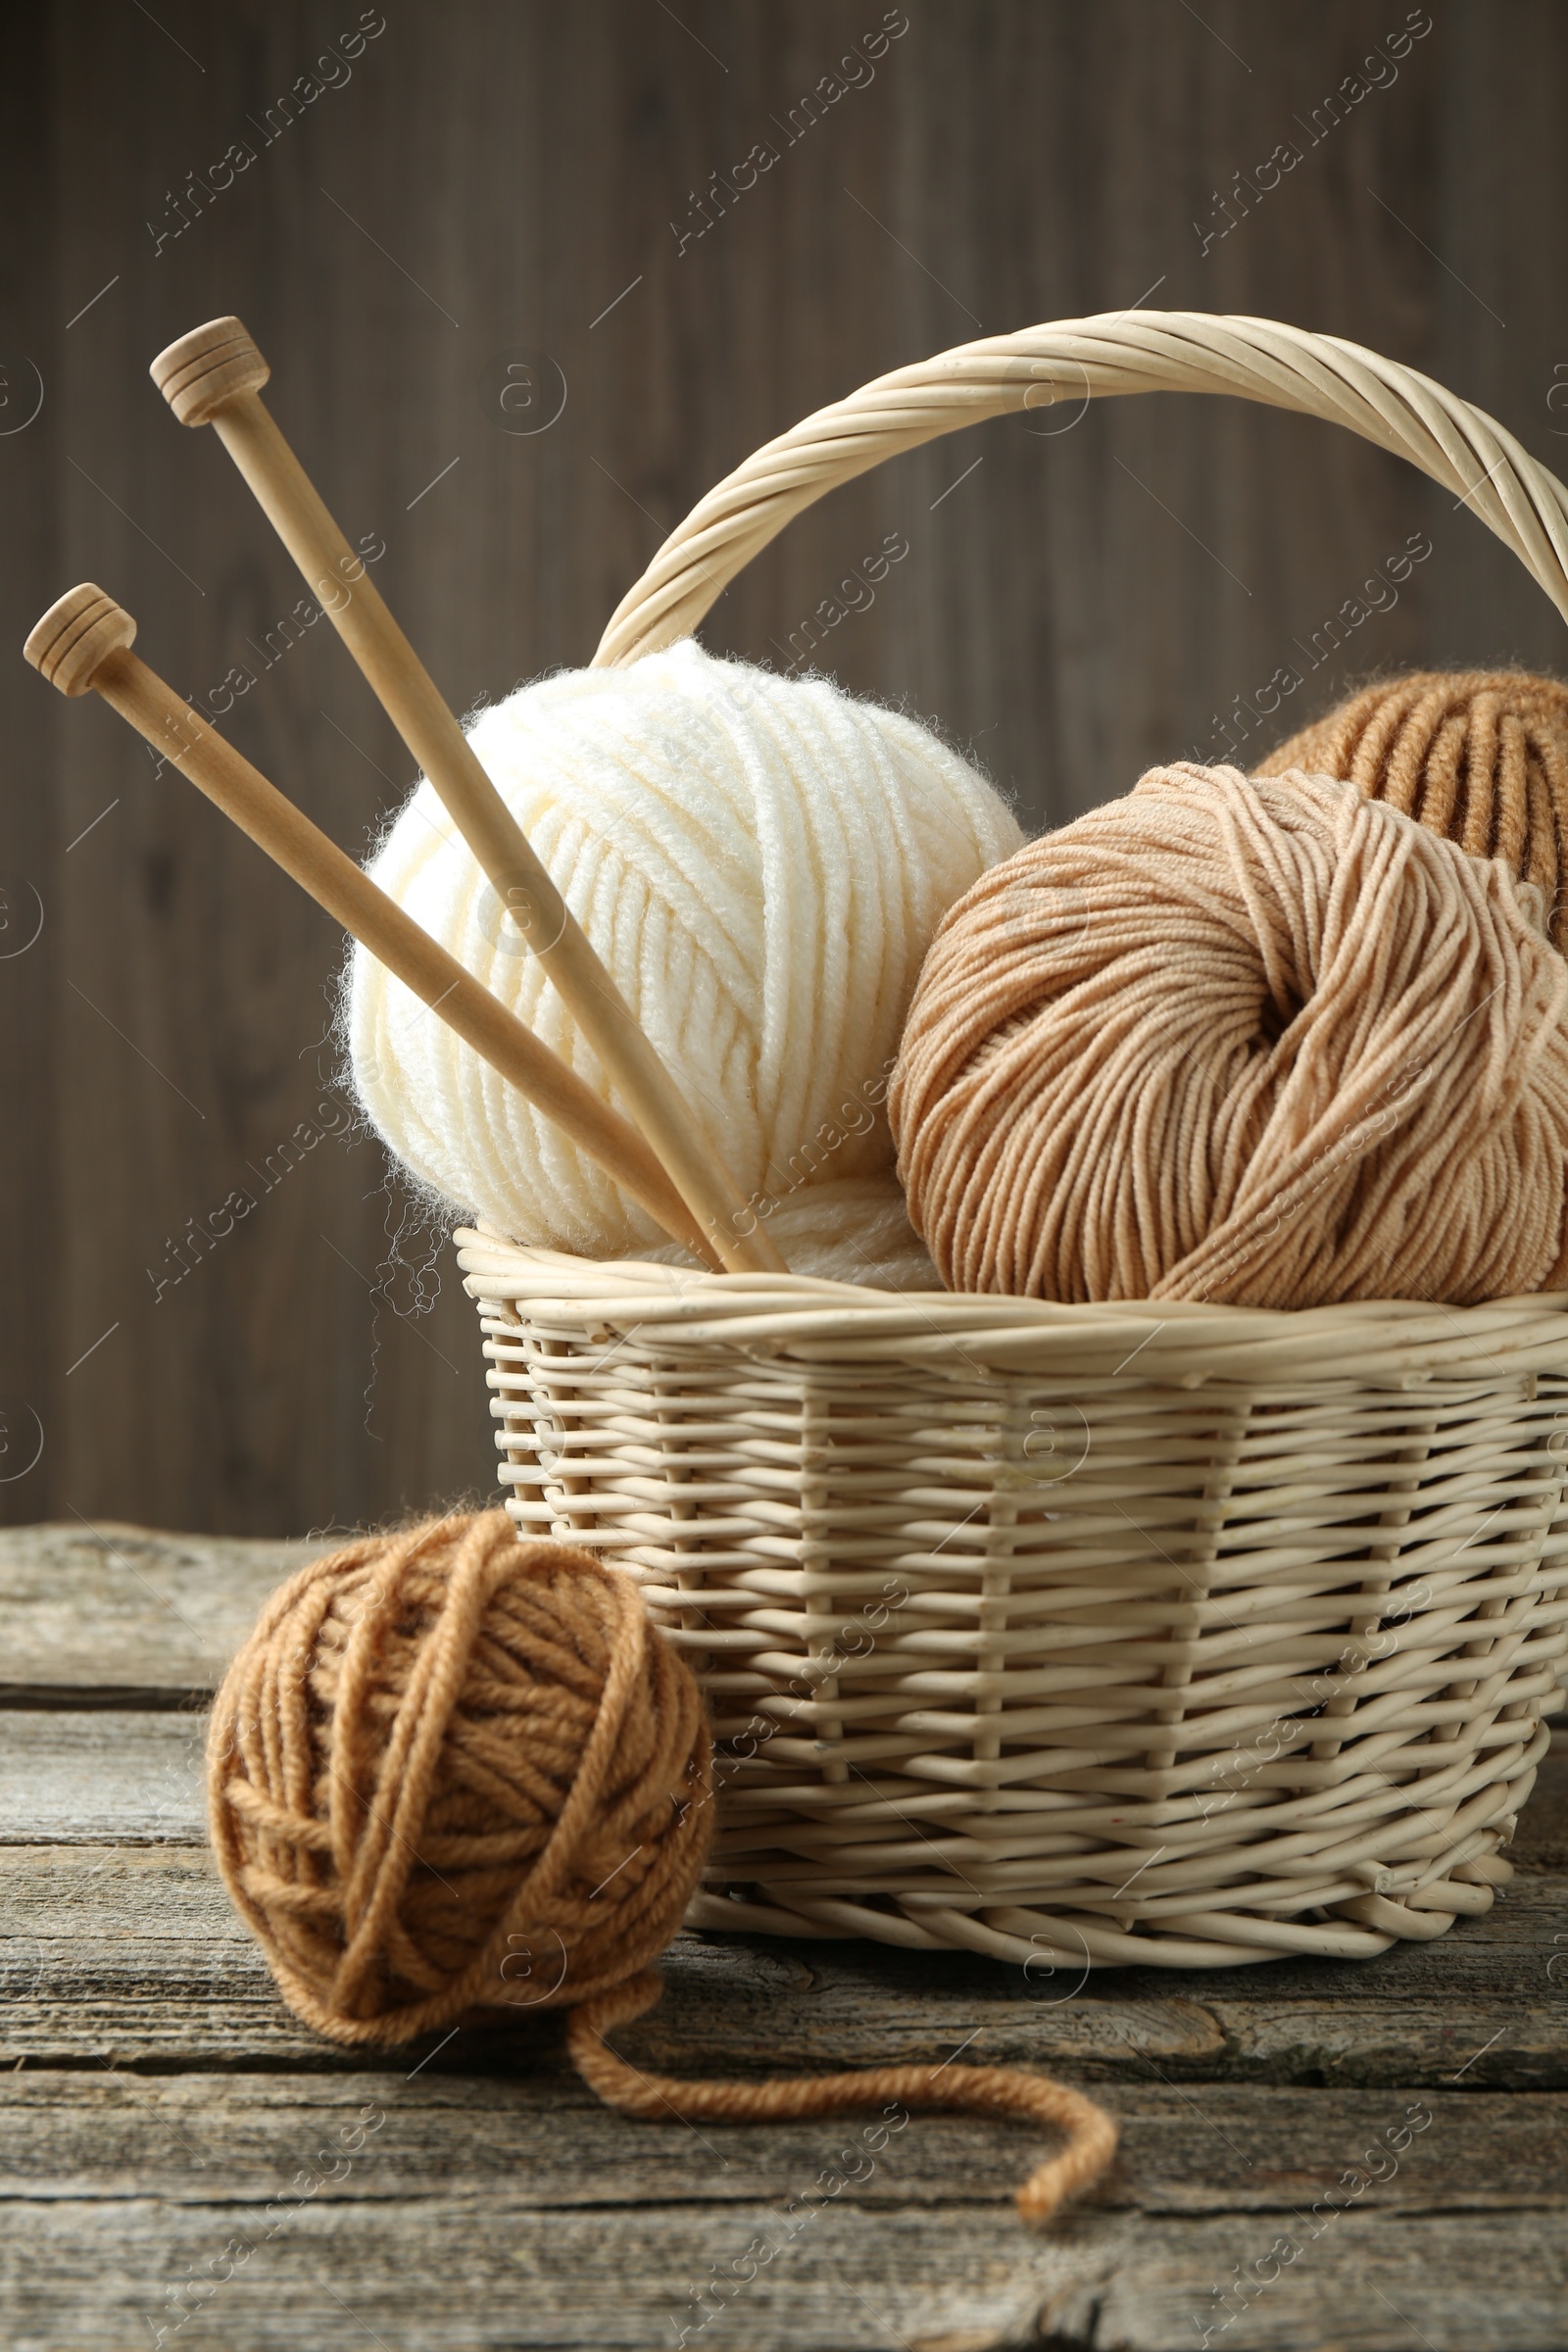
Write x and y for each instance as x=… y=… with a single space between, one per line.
x=1002 y=2090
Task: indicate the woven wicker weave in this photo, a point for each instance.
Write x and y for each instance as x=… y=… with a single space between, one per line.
x=1075 y=1634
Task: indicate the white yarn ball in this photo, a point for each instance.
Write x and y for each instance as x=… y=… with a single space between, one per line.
x=760 y=861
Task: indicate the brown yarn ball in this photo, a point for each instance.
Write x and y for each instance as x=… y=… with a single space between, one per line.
x=1264 y=1043
x=1479 y=756
x=451 y=1770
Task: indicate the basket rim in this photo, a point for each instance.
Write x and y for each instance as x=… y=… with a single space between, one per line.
x=1184 y=1344
x=1109 y=353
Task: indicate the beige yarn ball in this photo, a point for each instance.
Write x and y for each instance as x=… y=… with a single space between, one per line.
x=761 y=864
x=1262 y=1043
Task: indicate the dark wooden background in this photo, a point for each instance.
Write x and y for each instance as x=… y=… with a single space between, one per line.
x=490 y=179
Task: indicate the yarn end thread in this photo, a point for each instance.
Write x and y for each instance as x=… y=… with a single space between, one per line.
x=998 y=2091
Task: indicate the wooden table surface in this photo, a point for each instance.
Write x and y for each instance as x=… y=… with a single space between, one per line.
x=185 y=2165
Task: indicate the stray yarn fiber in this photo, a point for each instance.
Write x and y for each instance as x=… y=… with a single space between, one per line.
x=454 y=1772
x=1264 y=1043
x=761 y=864
x=1479 y=756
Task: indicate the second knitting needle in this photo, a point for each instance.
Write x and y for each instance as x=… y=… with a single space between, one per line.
x=83 y=642
x=214 y=375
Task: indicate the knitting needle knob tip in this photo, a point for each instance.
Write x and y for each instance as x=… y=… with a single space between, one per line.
x=69 y=645
x=207 y=368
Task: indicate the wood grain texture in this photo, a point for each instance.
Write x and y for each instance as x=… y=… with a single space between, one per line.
x=32 y=982
x=178 y=2154
x=504 y=2276
x=545 y=2140
x=132 y=1951
x=508 y=188
x=120 y=1613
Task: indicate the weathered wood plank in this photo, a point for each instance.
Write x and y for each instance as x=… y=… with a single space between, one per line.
x=438 y=2272
x=268 y=2154
x=135 y=1777
x=542 y=2137
x=129 y=1615
x=136 y=1955
x=34 y=939
x=101 y=1777
x=145 y=2141
x=1092 y=599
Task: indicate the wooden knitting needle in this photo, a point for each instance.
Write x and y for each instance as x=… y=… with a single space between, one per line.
x=84 y=642
x=214 y=376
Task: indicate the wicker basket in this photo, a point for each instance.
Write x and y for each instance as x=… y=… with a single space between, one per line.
x=1074 y=1635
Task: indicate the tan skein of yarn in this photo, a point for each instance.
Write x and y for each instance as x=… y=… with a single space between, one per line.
x=452 y=1772
x=1264 y=1043
x=1479 y=756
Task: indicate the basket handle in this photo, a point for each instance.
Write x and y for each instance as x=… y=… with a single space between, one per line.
x=1082 y=359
